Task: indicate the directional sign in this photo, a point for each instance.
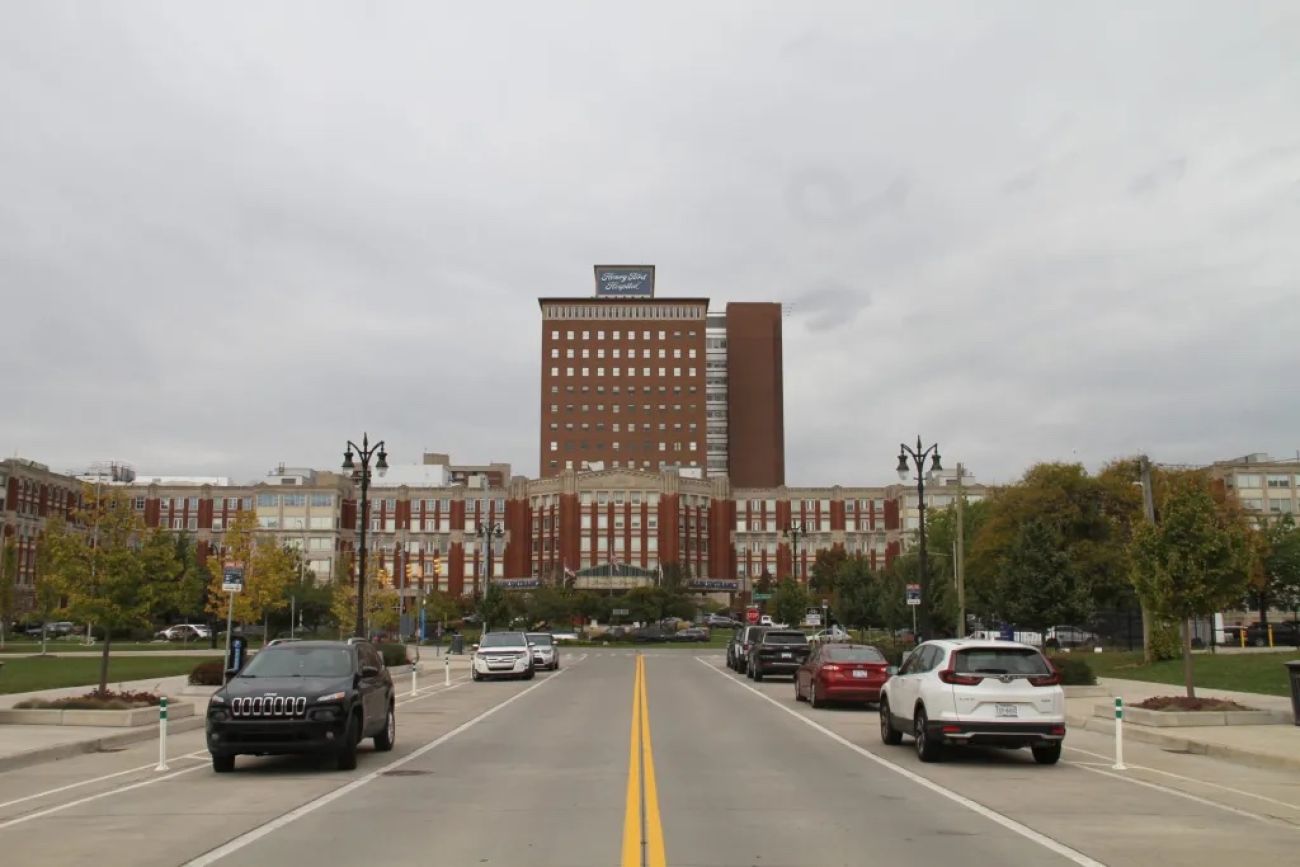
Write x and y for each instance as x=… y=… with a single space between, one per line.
x=913 y=594
x=232 y=579
x=759 y=597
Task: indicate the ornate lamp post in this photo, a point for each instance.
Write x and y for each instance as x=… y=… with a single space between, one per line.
x=794 y=530
x=918 y=456
x=488 y=533
x=362 y=474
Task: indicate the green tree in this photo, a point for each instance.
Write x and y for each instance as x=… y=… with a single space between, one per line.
x=100 y=570
x=8 y=573
x=274 y=569
x=790 y=602
x=494 y=608
x=1193 y=561
x=1275 y=580
x=857 y=592
x=238 y=541
x=47 y=598
x=1035 y=587
x=826 y=568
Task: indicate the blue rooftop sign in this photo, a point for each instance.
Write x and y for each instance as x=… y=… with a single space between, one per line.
x=630 y=281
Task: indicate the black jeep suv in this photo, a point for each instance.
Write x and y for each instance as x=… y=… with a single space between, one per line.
x=304 y=697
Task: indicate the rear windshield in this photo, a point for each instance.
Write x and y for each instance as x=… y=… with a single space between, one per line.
x=541 y=639
x=999 y=660
x=785 y=638
x=853 y=654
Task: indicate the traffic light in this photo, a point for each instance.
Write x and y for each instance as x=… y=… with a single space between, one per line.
x=412 y=571
x=437 y=564
x=382 y=578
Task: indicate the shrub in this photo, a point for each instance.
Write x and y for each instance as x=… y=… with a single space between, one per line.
x=1075 y=670
x=95 y=700
x=210 y=673
x=394 y=655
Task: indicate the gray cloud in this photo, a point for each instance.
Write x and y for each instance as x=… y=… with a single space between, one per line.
x=240 y=235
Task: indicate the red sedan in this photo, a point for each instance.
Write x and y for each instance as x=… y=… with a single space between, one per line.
x=841 y=672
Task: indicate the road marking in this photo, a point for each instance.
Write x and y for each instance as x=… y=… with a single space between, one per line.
x=1108 y=760
x=643 y=833
x=312 y=806
x=992 y=815
x=201 y=754
x=1267 y=820
x=654 y=855
x=29 y=816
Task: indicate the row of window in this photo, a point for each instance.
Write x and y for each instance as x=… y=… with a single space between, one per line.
x=631 y=465
x=631 y=407
x=1255 y=480
x=647 y=445
x=631 y=389
x=618 y=371
x=623 y=310
x=616 y=427
x=631 y=354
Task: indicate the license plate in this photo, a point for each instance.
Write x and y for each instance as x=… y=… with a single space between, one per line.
x=859 y=673
x=1007 y=710
x=787 y=655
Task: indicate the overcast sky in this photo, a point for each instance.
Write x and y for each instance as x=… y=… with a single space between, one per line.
x=238 y=234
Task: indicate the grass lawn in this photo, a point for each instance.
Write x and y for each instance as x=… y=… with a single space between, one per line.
x=25 y=674
x=30 y=647
x=1244 y=672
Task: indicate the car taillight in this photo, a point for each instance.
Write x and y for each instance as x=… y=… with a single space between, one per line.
x=947 y=675
x=1045 y=679
x=831 y=667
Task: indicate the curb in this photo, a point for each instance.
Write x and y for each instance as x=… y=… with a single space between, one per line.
x=65 y=751
x=1250 y=758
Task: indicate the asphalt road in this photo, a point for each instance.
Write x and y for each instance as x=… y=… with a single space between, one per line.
x=573 y=769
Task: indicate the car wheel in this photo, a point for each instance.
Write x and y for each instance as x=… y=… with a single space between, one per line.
x=927 y=749
x=798 y=695
x=474 y=675
x=347 y=752
x=384 y=740
x=1047 y=755
x=528 y=675
x=222 y=763
x=758 y=673
x=812 y=694
x=888 y=734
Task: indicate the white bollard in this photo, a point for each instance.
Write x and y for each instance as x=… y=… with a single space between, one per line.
x=446 y=671
x=1119 y=735
x=162 y=735
x=413 y=687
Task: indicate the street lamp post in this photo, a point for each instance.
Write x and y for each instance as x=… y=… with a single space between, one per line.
x=489 y=533
x=794 y=530
x=918 y=456
x=362 y=474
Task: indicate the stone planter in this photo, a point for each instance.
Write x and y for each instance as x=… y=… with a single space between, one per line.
x=1086 y=691
x=108 y=718
x=1192 y=718
x=198 y=690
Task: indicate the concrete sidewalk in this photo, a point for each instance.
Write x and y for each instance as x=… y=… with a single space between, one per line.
x=25 y=745
x=1260 y=746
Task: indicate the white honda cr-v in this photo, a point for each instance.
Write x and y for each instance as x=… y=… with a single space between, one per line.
x=986 y=693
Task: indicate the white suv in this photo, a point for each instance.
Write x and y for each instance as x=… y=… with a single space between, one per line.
x=989 y=693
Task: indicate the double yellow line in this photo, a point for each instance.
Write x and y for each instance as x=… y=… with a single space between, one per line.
x=643 y=833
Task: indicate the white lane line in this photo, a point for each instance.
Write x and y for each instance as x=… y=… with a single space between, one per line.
x=276 y=824
x=1267 y=820
x=1007 y=822
x=1108 y=760
x=200 y=754
x=86 y=800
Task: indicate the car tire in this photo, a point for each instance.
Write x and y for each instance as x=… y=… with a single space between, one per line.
x=223 y=763
x=346 y=757
x=758 y=673
x=798 y=695
x=927 y=749
x=529 y=674
x=385 y=739
x=888 y=734
x=812 y=695
x=474 y=675
x=1047 y=755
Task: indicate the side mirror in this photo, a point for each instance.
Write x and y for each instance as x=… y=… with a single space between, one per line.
x=532 y=644
x=891 y=670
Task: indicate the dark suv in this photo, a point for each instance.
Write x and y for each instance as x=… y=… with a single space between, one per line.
x=738 y=648
x=777 y=651
x=304 y=697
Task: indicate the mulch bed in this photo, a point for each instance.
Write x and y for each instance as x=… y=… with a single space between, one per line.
x=94 y=700
x=1182 y=702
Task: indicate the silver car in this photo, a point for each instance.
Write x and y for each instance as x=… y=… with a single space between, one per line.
x=546 y=653
x=502 y=654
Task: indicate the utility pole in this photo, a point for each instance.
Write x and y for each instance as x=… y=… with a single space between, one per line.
x=959 y=564
x=1149 y=510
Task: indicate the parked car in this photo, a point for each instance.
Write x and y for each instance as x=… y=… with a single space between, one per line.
x=833 y=634
x=564 y=633
x=545 y=654
x=693 y=633
x=502 y=654
x=766 y=620
x=986 y=693
x=304 y=697
x=841 y=672
x=720 y=621
x=184 y=632
x=653 y=634
x=1285 y=633
x=738 y=648
x=777 y=651
x=56 y=629
x=1070 y=636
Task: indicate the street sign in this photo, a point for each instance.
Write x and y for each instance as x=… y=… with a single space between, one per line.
x=621 y=612
x=232 y=579
x=913 y=594
x=760 y=597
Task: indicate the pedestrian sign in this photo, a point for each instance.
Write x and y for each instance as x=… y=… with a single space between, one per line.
x=913 y=594
x=232 y=579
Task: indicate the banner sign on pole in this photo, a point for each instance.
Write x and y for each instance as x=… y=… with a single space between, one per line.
x=232 y=579
x=913 y=594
